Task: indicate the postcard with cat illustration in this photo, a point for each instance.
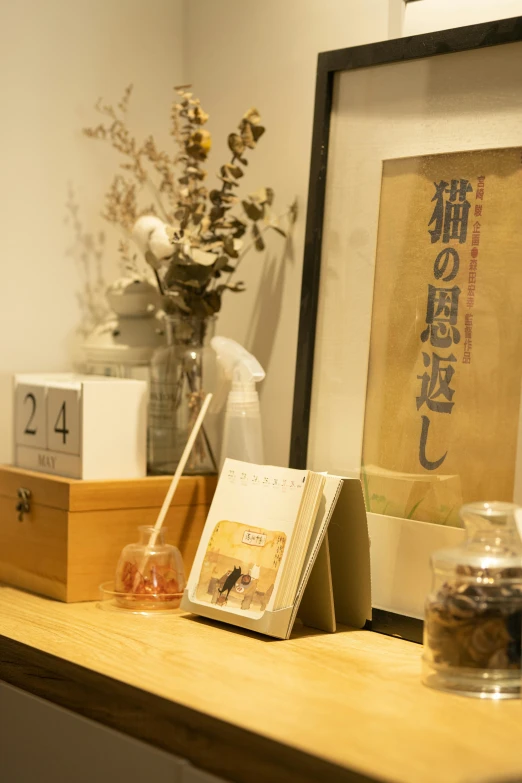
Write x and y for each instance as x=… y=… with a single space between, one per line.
x=244 y=548
x=240 y=567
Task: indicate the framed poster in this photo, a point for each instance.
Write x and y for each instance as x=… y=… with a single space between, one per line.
x=409 y=366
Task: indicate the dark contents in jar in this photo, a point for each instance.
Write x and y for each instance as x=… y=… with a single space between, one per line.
x=477 y=624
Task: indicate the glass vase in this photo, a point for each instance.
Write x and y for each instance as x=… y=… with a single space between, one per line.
x=181 y=374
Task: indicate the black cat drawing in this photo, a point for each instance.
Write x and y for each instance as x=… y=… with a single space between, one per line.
x=231 y=580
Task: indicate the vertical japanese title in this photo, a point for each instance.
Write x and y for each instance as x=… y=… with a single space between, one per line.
x=448 y=222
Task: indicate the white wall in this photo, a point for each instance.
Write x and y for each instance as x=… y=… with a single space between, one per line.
x=56 y=58
x=424 y=16
x=264 y=55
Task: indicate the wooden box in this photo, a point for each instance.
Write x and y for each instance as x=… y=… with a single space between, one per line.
x=70 y=540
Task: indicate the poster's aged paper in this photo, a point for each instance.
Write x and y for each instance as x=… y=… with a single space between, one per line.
x=445 y=368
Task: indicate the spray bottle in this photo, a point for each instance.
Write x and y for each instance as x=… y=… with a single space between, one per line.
x=242 y=434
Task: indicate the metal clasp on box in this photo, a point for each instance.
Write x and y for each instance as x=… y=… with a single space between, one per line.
x=23 y=506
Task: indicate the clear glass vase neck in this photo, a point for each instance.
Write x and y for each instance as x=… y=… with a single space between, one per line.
x=189 y=330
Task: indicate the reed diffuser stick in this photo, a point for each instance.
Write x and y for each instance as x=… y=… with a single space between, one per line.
x=171 y=490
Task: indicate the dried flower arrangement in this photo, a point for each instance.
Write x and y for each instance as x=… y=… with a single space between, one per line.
x=189 y=235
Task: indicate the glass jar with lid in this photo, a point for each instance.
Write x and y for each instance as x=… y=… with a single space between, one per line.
x=472 y=630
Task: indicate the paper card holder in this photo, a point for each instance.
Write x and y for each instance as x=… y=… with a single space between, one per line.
x=336 y=587
x=277 y=624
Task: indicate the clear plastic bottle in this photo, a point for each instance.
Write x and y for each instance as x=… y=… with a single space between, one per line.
x=242 y=431
x=472 y=630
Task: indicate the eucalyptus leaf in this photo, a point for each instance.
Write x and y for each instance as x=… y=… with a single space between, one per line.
x=228 y=246
x=262 y=196
x=221 y=264
x=176 y=301
x=248 y=136
x=213 y=300
x=240 y=228
x=216 y=213
x=236 y=171
x=253 y=211
x=202 y=257
x=229 y=198
x=230 y=172
x=235 y=143
x=231 y=183
x=191 y=284
x=253 y=116
x=179 y=273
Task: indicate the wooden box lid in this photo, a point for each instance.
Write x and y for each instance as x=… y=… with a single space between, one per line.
x=76 y=495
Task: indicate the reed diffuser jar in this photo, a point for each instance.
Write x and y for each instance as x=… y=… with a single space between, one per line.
x=473 y=622
x=181 y=373
x=149 y=576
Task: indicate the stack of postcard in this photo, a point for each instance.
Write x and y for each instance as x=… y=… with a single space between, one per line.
x=265 y=552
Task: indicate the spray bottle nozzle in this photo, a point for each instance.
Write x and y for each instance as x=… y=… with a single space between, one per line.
x=240 y=367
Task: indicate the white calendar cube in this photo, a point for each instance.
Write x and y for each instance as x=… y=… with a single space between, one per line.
x=64 y=419
x=30 y=416
x=81 y=426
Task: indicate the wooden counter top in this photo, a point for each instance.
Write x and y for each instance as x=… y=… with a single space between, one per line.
x=343 y=707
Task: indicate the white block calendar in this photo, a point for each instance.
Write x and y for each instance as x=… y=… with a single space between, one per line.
x=81 y=426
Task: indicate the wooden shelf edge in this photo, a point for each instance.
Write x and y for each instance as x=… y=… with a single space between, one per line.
x=211 y=744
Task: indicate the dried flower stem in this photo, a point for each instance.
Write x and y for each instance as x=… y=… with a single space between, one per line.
x=251 y=244
x=155 y=192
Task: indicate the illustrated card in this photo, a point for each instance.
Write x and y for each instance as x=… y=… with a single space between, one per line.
x=240 y=566
x=247 y=536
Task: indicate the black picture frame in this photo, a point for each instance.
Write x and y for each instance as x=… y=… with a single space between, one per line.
x=462 y=39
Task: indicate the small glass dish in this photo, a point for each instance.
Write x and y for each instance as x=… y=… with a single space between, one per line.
x=137 y=603
x=149 y=578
